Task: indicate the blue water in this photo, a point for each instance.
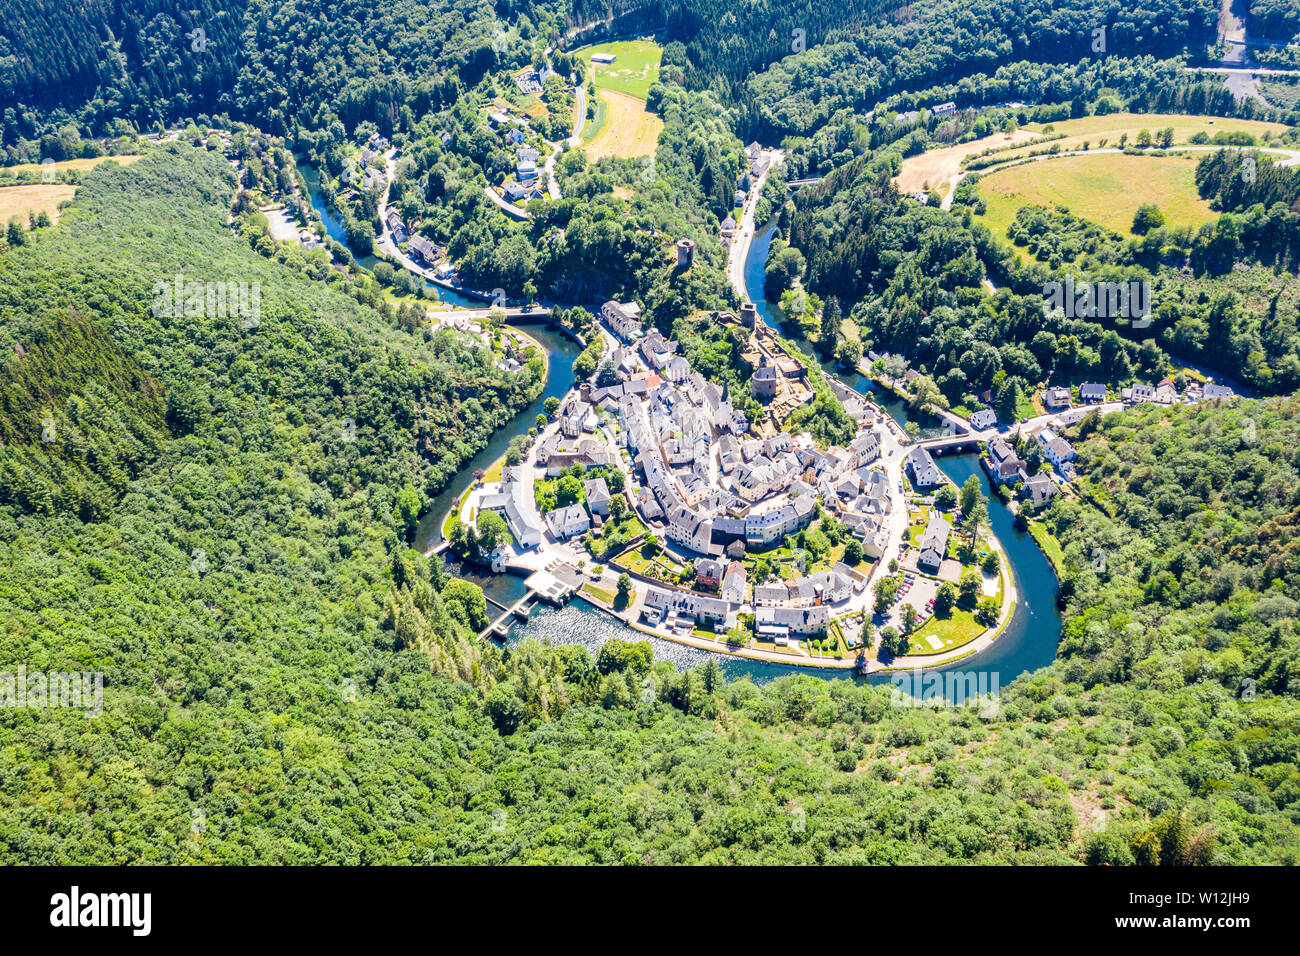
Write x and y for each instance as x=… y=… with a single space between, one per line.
x=770 y=312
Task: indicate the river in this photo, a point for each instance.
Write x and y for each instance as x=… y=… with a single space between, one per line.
x=1029 y=641
x=368 y=260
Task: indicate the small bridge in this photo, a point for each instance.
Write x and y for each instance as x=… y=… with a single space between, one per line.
x=954 y=443
x=796 y=183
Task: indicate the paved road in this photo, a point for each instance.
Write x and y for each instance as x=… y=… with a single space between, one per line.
x=510 y=209
x=579 y=115
x=744 y=235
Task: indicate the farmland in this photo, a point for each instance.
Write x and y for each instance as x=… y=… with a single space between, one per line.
x=940 y=169
x=1101 y=188
x=18 y=201
x=625 y=128
x=633 y=72
x=622 y=126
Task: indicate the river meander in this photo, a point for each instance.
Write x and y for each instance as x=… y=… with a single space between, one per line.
x=1028 y=642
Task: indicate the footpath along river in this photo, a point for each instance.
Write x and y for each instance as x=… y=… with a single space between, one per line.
x=1029 y=641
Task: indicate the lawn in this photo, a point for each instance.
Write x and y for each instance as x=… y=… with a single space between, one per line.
x=1105 y=188
x=959 y=627
x=600 y=594
x=636 y=68
x=1049 y=545
x=18 y=201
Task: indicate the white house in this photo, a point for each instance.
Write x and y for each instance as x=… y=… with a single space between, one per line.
x=700 y=607
x=1092 y=392
x=796 y=620
x=733 y=583
x=512 y=504
x=984 y=418
x=925 y=473
x=934 y=543
x=567 y=522
x=1056 y=449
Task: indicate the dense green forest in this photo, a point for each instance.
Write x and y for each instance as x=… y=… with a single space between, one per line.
x=214 y=508
x=941 y=42
x=285 y=682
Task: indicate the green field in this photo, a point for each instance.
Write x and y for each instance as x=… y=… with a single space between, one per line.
x=1105 y=188
x=632 y=73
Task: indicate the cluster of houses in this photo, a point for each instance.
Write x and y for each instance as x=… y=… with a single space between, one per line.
x=758 y=163
x=530 y=81
x=711 y=488
x=1165 y=392
x=1005 y=467
x=575 y=519
x=939 y=109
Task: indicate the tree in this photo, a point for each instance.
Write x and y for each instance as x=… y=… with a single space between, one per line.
x=989 y=563
x=970 y=493
x=568 y=490
x=624 y=589
x=830 y=325
x=617 y=507
x=1147 y=217
x=542 y=421
x=853 y=553
x=406 y=510
x=944 y=599
x=551 y=405
x=945 y=499
x=889 y=642
x=504 y=708
x=969 y=586
x=492 y=531
x=986 y=612
x=465 y=601
x=886 y=588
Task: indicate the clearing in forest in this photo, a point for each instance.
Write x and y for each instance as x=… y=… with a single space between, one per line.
x=1104 y=188
x=18 y=201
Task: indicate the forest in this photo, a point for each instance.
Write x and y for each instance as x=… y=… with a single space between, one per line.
x=268 y=642
x=217 y=510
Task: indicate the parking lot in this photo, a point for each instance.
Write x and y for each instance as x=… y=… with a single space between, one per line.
x=920 y=590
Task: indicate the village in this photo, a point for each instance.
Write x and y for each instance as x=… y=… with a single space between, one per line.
x=655 y=498
x=703 y=506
